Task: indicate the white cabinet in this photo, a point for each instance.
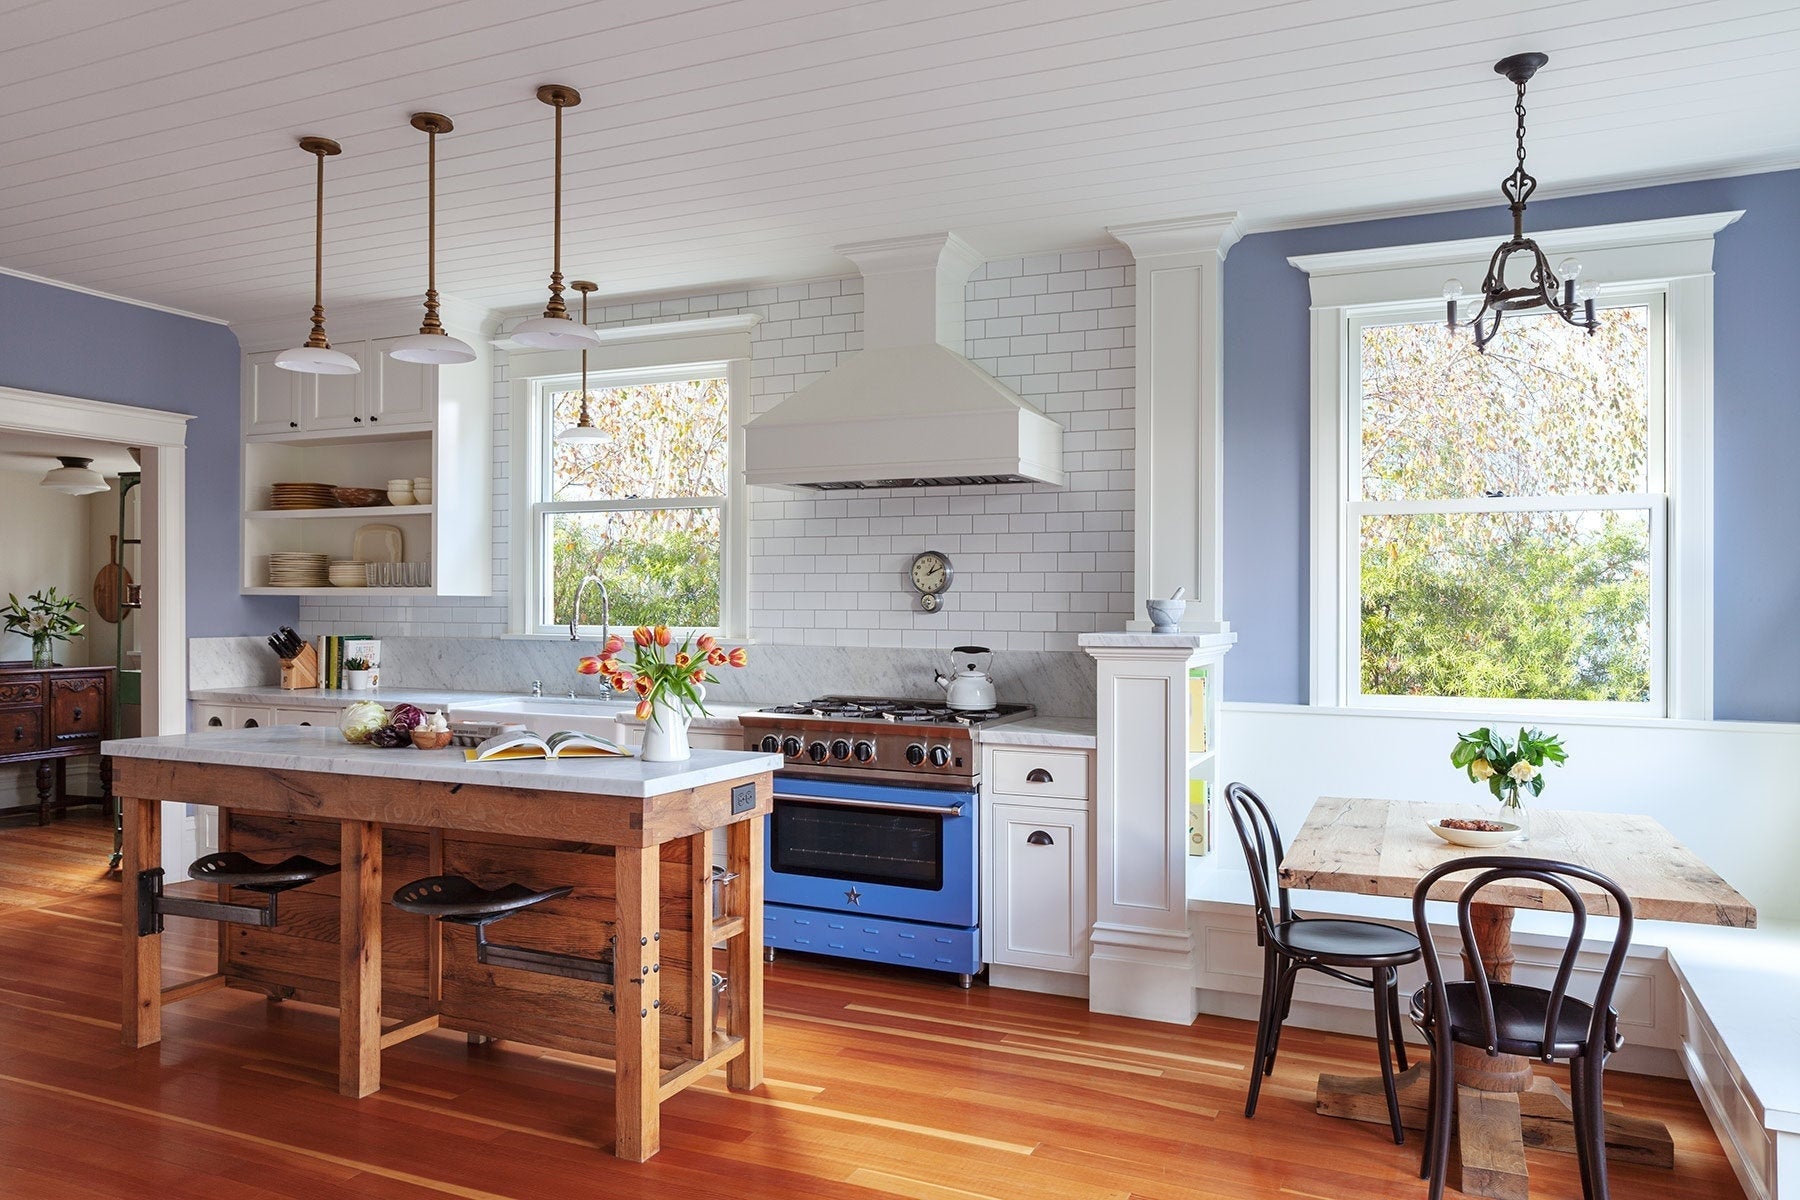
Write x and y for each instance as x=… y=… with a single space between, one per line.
x=385 y=394
x=1037 y=902
x=392 y=420
x=230 y=716
x=1038 y=873
x=305 y=716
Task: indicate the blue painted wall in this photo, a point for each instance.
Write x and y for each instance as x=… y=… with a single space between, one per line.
x=1756 y=581
x=152 y=360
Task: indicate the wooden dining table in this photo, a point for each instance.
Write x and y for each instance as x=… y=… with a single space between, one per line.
x=1383 y=848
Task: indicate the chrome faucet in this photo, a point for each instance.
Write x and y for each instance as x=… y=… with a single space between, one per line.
x=605 y=618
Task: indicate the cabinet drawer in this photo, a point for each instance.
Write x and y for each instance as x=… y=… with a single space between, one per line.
x=22 y=691
x=77 y=709
x=1031 y=773
x=21 y=730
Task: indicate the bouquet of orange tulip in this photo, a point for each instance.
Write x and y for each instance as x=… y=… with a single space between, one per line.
x=660 y=668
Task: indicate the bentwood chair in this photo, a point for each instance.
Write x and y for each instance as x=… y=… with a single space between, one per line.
x=1511 y=1018
x=1328 y=945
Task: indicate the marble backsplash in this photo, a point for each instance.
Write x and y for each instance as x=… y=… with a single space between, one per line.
x=1059 y=683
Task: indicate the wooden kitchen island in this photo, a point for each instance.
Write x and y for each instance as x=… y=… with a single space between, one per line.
x=633 y=839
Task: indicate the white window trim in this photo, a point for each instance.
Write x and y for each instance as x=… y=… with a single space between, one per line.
x=1673 y=256
x=710 y=346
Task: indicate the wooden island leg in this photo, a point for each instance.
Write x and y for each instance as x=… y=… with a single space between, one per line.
x=637 y=989
x=744 y=847
x=140 y=1021
x=359 y=959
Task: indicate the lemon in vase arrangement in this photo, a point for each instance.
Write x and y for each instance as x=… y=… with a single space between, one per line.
x=46 y=617
x=1509 y=768
x=669 y=679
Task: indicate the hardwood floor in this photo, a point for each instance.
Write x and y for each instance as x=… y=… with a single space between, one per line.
x=882 y=1085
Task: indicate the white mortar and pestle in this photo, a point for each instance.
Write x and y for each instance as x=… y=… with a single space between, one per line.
x=1165 y=615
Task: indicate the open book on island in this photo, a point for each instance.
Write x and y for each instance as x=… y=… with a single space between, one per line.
x=522 y=743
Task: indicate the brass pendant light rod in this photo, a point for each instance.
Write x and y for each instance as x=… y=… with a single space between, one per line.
x=584 y=429
x=558 y=98
x=323 y=148
x=431 y=124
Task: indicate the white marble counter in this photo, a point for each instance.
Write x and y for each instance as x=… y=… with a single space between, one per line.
x=720 y=718
x=305 y=748
x=337 y=699
x=1073 y=733
x=1156 y=641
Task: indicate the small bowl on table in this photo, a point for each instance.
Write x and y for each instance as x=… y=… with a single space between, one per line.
x=1475 y=839
x=430 y=739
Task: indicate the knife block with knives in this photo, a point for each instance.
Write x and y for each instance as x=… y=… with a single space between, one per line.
x=299 y=661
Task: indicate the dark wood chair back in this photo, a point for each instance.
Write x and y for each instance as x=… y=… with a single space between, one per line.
x=1262 y=853
x=1601 y=1034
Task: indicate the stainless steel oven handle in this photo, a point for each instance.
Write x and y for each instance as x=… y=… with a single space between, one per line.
x=936 y=810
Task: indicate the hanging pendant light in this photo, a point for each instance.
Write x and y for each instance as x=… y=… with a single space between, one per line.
x=431 y=344
x=317 y=357
x=554 y=330
x=584 y=429
x=1573 y=304
x=74 y=478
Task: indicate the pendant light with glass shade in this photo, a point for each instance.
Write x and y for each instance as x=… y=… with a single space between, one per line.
x=74 y=477
x=584 y=429
x=431 y=344
x=316 y=357
x=554 y=330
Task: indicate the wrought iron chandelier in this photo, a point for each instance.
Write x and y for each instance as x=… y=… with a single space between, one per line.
x=1555 y=291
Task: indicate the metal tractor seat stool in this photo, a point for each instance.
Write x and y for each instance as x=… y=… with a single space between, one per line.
x=234 y=870
x=464 y=902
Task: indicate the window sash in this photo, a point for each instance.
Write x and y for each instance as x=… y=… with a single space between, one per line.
x=545 y=508
x=1352 y=509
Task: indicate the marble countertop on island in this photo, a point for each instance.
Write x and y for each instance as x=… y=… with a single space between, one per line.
x=306 y=748
x=1072 y=733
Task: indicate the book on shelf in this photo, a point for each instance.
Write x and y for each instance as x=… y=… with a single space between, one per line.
x=335 y=649
x=566 y=743
x=1199 y=818
x=1198 y=733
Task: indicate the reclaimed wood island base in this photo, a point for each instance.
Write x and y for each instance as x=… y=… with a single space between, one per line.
x=633 y=839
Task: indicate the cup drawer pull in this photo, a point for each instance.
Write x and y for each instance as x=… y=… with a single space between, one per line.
x=1038 y=837
x=1038 y=775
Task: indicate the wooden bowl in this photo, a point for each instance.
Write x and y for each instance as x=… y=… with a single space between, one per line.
x=424 y=739
x=355 y=497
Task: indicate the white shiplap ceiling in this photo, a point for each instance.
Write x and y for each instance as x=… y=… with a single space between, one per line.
x=147 y=146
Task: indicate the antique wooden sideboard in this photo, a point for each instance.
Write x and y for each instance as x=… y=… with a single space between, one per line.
x=49 y=715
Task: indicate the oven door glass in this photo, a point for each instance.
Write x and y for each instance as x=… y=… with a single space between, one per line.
x=862 y=845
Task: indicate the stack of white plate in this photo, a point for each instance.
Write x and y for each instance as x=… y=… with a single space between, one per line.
x=290 y=569
x=349 y=573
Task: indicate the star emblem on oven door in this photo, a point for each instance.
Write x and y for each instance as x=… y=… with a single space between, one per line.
x=853 y=896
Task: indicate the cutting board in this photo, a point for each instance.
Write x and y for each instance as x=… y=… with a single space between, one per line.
x=111 y=586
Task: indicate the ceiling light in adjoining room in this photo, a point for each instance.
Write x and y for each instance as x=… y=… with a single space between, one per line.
x=316 y=357
x=74 y=477
x=584 y=429
x=1553 y=291
x=431 y=344
x=554 y=330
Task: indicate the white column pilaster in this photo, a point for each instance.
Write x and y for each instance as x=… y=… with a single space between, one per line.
x=1141 y=962
x=1179 y=461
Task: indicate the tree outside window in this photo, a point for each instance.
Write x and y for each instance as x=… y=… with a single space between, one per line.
x=641 y=510
x=1507 y=509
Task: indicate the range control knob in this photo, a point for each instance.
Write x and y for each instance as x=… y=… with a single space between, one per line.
x=864 y=751
x=915 y=754
x=790 y=746
x=840 y=749
x=771 y=744
x=940 y=755
x=816 y=751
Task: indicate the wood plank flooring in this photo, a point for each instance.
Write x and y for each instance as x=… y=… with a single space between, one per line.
x=882 y=1086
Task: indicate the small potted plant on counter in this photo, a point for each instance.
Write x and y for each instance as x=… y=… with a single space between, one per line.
x=668 y=679
x=360 y=675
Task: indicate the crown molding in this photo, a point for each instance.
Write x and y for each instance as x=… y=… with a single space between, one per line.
x=655 y=331
x=1214 y=233
x=116 y=299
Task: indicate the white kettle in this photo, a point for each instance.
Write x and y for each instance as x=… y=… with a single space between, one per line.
x=970 y=688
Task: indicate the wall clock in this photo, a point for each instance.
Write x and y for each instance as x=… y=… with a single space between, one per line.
x=931 y=574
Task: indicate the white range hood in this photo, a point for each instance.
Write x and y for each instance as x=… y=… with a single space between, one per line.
x=908 y=410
